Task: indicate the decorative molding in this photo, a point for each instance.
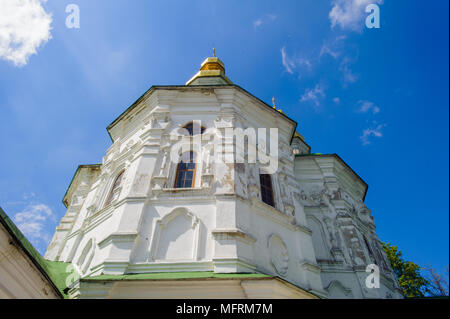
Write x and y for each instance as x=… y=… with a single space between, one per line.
x=233 y=233
x=118 y=237
x=336 y=283
x=277 y=216
x=162 y=223
x=159 y=183
x=310 y=266
x=207 y=180
x=165 y=266
x=279 y=255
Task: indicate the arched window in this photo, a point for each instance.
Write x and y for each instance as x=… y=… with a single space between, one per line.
x=266 y=189
x=186 y=171
x=114 y=189
x=193 y=129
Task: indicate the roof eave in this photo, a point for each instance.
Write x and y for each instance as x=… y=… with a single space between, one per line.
x=20 y=240
x=366 y=186
x=173 y=87
x=64 y=200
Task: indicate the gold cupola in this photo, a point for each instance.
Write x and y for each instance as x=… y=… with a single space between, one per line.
x=212 y=72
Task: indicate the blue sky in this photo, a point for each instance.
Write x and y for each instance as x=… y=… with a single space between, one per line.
x=377 y=97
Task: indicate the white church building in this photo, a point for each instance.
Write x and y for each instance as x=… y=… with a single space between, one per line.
x=183 y=207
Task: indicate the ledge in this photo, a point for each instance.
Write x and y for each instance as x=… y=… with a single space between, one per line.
x=180 y=192
x=119 y=236
x=233 y=232
x=176 y=276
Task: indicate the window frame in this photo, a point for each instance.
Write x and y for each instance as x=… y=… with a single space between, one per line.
x=192 y=157
x=115 y=186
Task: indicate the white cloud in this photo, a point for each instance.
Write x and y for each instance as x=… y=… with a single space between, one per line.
x=28 y=196
x=267 y=18
x=333 y=47
x=32 y=220
x=372 y=132
x=24 y=27
x=304 y=62
x=314 y=95
x=290 y=64
x=257 y=23
x=366 y=106
x=348 y=76
x=350 y=14
x=287 y=62
x=326 y=49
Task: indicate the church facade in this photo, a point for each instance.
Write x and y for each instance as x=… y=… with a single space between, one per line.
x=208 y=192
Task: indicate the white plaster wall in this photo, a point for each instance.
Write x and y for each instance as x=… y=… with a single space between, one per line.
x=232 y=226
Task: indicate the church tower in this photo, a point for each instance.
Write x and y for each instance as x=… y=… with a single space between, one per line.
x=208 y=192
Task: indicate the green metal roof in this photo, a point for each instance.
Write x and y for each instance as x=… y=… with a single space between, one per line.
x=53 y=271
x=310 y=154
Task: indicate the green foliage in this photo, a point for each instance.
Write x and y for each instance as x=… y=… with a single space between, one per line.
x=412 y=283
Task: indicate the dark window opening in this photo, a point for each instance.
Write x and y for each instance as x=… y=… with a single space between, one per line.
x=266 y=189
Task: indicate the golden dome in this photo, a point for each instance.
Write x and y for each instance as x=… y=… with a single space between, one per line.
x=213 y=63
x=212 y=72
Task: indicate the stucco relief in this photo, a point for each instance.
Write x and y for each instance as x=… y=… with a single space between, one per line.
x=286 y=194
x=224 y=177
x=336 y=290
x=207 y=167
x=380 y=256
x=337 y=249
x=159 y=117
x=97 y=195
x=164 y=162
x=359 y=209
x=224 y=121
x=354 y=246
x=176 y=237
x=160 y=178
x=207 y=159
x=341 y=233
x=241 y=179
x=86 y=256
x=283 y=186
x=111 y=153
x=311 y=195
x=321 y=246
x=253 y=186
x=279 y=256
